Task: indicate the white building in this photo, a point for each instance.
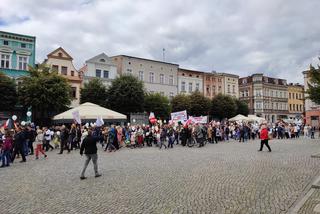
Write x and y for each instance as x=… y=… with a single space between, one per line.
x=158 y=77
x=189 y=81
x=100 y=66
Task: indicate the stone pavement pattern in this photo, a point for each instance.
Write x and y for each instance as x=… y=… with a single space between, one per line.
x=222 y=178
x=311 y=203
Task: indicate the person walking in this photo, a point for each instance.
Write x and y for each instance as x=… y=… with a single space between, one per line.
x=64 y=136
x=89 y=148
x=19 y=140
x=264 y=138
x=6 y=148
x=39 y=144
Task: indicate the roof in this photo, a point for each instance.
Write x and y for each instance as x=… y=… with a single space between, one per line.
x=60 y=49
x=189 y=70
x=16 y=34
x=151 y=60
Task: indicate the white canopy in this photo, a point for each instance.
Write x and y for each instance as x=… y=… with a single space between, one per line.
x=256 y=118
x=89 y=111
x=239 y=117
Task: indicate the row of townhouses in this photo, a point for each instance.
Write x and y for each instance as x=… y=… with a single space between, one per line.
x=268 y=97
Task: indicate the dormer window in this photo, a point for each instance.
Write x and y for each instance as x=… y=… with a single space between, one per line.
x=60 y=54
x=102 y=60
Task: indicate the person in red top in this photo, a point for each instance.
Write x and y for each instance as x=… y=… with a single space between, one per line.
x=7 y=145
x=264 y=138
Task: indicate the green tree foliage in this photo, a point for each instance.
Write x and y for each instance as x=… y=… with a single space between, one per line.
x=126 y=95
x=223 y=106
x=242 y=107
x=199 y=104
x=8 y=95
x=158 y=104
x=180 y=102
x=314 y=85
x=95 y=92
x=45 y=91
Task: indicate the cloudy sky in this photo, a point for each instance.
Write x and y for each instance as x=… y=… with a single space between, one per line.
x=277 y=37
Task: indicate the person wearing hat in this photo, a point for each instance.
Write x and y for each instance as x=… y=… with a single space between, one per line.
x=264 y=138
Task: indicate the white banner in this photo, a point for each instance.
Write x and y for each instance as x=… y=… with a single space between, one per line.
x=201 y=119
x=76 y=116
x=180 y=116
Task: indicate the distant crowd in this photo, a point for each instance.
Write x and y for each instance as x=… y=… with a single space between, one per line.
x=30 y=140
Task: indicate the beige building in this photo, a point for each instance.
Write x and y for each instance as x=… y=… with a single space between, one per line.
x=266 y=96
x=312 y=110
x=230 y=83
x=190 y=81
x=60 y=61
x=295 y=101
x=158 y=77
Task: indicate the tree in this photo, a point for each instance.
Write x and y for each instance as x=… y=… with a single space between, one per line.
x=314 y=85
x=8 y=95
x=95 y=92
x=158 y=104
x=126 y=95
x=45 y=91
x=242 y=107
x=199 y=104
x=180 y=102
x=223 y=106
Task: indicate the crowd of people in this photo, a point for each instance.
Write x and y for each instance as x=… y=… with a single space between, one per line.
x=30 y=140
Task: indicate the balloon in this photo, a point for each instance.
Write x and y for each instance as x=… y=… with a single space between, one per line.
x=128 y=124
x=23 y=123
x=87 y=125
x=153 y=120
x=58 y=133
x=29 y=113
x=14 y=117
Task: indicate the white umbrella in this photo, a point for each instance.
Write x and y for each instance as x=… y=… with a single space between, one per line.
x=239 y=117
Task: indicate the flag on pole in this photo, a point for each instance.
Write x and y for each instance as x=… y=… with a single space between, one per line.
x=76 y=117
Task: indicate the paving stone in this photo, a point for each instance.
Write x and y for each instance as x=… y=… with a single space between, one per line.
x=222 y=178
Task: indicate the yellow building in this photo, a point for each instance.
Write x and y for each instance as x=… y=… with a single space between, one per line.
x=296 y=100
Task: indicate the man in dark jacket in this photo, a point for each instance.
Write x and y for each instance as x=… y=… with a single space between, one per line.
x=64 y=136
x=89 y=147
x=19 y=140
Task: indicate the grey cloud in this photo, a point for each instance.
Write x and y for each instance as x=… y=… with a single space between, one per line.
x=279 y=38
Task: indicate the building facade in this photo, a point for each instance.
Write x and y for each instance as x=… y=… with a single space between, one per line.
x=101 y=67
x=266 y=97
x=17 y=52
x=190 y=81
x=158 y=77
x=230 y=83
x=59 y=60
x=295 y=101
x=312 y=110
x=213 y=84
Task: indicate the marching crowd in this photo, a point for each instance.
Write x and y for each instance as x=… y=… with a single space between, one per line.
x=30 y=140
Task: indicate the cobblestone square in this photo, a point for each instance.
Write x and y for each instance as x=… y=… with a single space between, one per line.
x=228 y=177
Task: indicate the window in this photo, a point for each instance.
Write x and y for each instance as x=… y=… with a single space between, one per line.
x=106 y=74
x=247 y=93
x=297 y=96
x=242 y=93
x=294 y=107
x=102 y=60
x=55 y=68
x=22 y=62
x=301 y=108
x=98 y=73
x=271 y=93
x=183 y=86
x=234 y=89
x=244 y=81
x=5 y=42
x=72 y=73
x=141 y=75
x=219 y=89
x=190 y=87
x=129 y=71
x=276 y=93
x=300 y=96
x=213 y=89
x=5 y=61
x=277 y=107
x=171 y=80
x=74 y=92
x=23 y=45
x=289 y=95
x=64 y=70
x=161 y=78
x=290 y=107
x=197 y=86
x=171 y=95
x=229 y=89
x=280 y=94
x=258 y=105
x=151 y=77
x=60 y=54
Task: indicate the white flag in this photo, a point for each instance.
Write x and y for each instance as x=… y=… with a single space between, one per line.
x=76 y=116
